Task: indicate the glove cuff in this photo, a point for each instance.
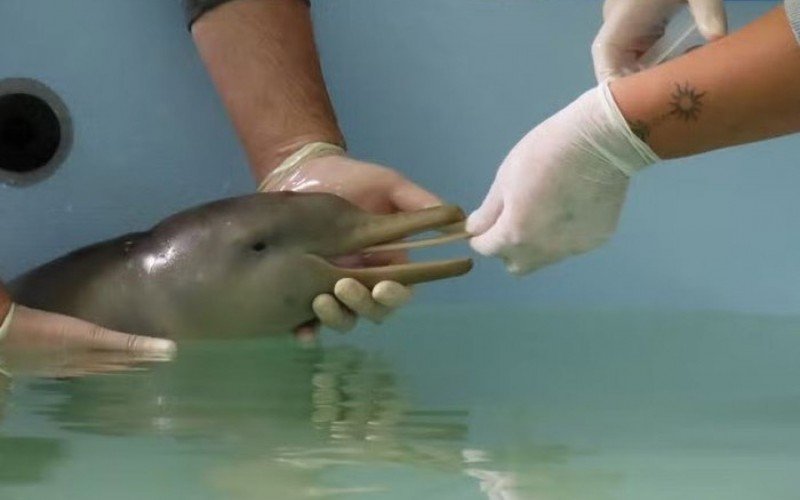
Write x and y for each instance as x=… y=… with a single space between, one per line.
x=630 y=154
x=7 y=322
x=301 y=156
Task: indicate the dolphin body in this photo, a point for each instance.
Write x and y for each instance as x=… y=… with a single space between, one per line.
x=243 y=266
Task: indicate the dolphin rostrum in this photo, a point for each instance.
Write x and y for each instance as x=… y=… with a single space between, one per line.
x=243 y=266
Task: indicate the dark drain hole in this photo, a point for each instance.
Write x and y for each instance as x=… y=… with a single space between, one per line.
x=30 y=133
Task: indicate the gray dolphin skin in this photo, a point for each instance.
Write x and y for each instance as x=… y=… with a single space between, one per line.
x=243 y=266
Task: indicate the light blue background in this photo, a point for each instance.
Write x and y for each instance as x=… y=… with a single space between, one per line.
x=441 y=89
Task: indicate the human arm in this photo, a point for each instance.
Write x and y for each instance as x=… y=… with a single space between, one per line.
x=560 y=190
x=739 y=89
x=262 y=59
x=264 y=64
x=23 y=327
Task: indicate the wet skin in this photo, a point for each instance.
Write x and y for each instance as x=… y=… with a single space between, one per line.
x=242 y=266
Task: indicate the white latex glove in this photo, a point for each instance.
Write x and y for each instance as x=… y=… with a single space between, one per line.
x=321 y=167
x=561 y=188
x=28 y=328
x=631 y=27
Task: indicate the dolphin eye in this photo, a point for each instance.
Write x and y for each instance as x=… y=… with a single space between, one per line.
x=259 y=246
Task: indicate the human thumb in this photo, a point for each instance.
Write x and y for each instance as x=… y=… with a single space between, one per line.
x=710 y=17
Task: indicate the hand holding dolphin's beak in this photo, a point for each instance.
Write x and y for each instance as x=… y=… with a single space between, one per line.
x=320 y=167
x=378 y=290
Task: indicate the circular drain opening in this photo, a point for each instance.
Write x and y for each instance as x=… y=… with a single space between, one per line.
x=35 y=131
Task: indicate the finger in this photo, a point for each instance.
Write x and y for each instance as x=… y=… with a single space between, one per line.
x=358 y=298
x=489 y=244
x=97 y=337
x=332 y=314
x=611 y=60
x=391 y=294
x=496 y=238
x=32 y=327
x=518 y=251
x=710 y=17
x=408 y=196
x=614 y=59
x=486 y=215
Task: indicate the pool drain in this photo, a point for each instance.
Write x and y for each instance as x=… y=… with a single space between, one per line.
x=35 y=131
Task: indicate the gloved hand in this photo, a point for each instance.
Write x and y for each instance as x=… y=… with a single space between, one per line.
x=321 y=167
x=631 y=27
x=32 y=328
x=561 y=188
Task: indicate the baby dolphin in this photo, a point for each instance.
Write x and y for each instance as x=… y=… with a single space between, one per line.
x=243 y=266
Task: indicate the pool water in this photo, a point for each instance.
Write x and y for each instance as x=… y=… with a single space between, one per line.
x=450 y=403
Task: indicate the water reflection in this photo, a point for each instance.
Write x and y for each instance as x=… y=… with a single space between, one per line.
x=547 y=407
x=64 y=363
x=275 y=418
x=38 y=454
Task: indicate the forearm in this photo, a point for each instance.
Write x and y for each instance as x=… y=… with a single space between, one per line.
x=263 y=61
x=740 y=89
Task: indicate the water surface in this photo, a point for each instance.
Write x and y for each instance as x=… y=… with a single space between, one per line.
x=446 y=403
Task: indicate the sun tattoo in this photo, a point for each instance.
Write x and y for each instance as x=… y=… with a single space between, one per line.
x=686 y=102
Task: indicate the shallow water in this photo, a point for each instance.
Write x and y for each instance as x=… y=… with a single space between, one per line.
x=448 y=403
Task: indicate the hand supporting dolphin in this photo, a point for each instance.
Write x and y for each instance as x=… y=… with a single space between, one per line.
x=243 y=266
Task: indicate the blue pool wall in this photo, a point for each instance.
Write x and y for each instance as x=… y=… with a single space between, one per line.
x=440 y=90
